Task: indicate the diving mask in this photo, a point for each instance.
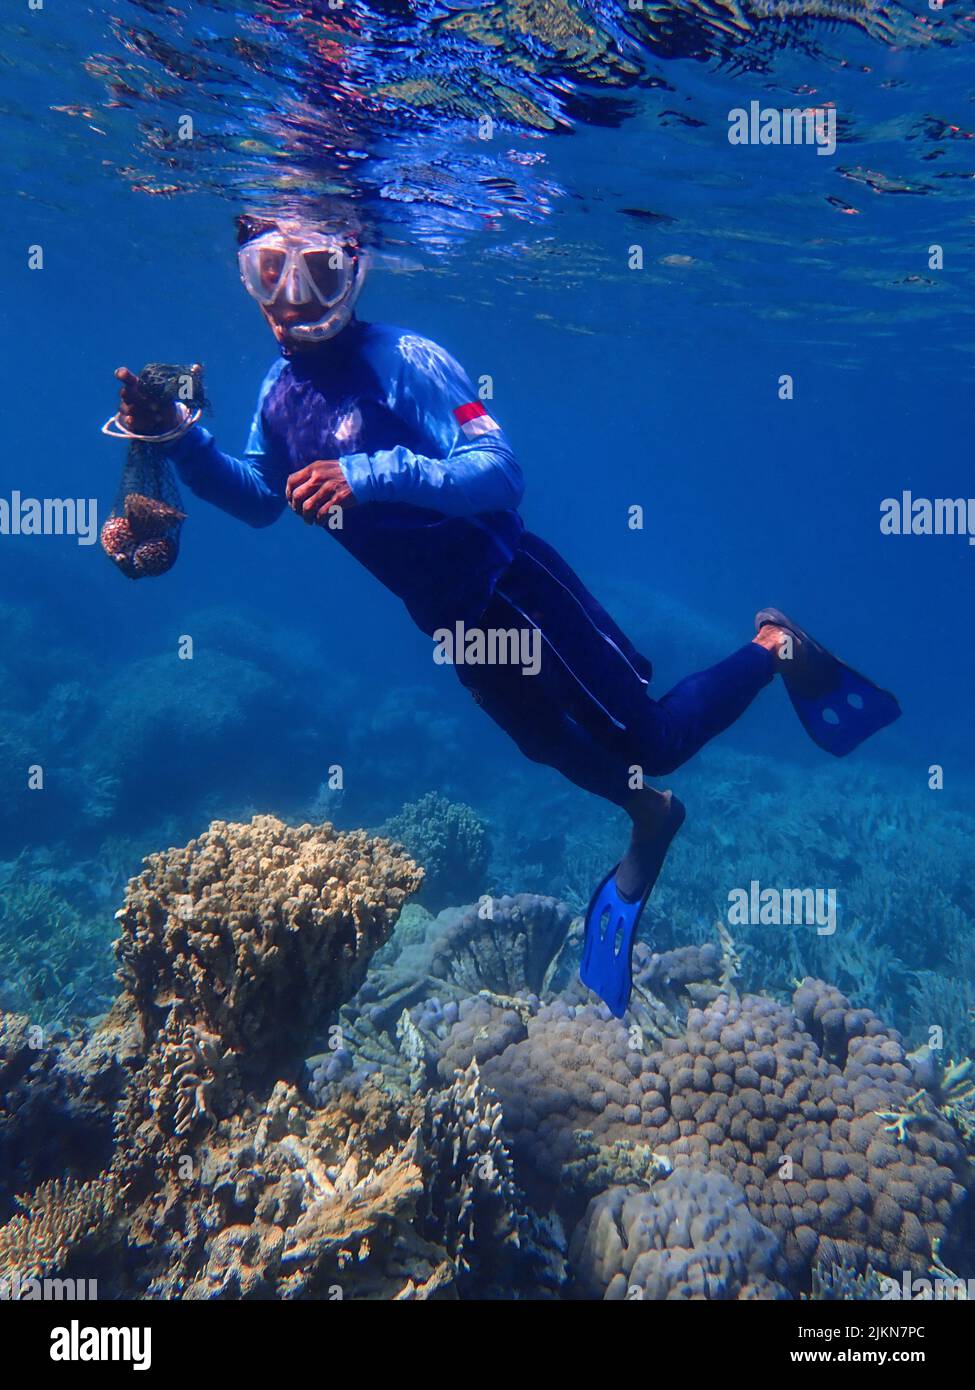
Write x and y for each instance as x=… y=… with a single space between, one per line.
x=292 y=264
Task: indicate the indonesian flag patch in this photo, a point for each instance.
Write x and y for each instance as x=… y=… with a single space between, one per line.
x=474 y=419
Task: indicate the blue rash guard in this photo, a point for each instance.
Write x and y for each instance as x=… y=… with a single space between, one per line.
x=435 y=519
x=436 y=487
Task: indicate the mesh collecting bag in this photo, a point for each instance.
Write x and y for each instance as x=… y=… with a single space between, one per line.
x=141 y=534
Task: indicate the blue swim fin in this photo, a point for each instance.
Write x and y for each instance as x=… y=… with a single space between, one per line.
x=852 y=709
x=838 y=708
x=607 y=955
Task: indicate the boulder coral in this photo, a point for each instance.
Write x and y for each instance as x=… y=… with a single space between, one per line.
x=243 y=939
x=803 y=1122
x=689 y=1236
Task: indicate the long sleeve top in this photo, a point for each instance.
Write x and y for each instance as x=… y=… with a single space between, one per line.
x=435 y=480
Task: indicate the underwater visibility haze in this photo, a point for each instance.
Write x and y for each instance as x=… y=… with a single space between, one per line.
x=578 y=334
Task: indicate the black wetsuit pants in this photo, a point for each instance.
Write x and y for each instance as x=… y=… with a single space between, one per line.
x=586 y=711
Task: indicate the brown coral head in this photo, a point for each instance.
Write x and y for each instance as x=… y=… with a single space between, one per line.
x=251 y=936
x=150 y=518
x=152 y=558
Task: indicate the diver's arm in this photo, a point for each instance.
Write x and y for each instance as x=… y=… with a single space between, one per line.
x=250 y=488
x=471 y=467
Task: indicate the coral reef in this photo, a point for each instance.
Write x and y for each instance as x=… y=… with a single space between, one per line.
x=904 y=943
x=794 y=1117
x=63 y=1220
x=904 y=939
x=841 y=1284
x=689 y=1236
x=237 y=703
x=54 y=960
x=475 y=1127
x=234 y=946
x=222 y=1181
x=451 y=843
x=506 y=950
x=355 y=1200
x=508 y=945
x=57 y=1094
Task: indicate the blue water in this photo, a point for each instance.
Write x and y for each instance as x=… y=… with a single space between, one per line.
x=656 y=386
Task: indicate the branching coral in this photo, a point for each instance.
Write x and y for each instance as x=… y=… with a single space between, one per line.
x=451 y=843
x=711 y=1145
x=234 y=946
x=54 y=962
x=63 y=1221
x=223 y=1181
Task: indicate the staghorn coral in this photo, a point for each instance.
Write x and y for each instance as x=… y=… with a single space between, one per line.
x=748 y=1091
x=689 y=1236
x=839 y=1283
x=903 y=944
x=63 y=1222
x=947 y=1090
x=57 y=1097
x=55 y=961
x=956 y=1099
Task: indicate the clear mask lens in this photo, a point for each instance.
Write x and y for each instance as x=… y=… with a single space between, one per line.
x=330 y=272
x=303 y=273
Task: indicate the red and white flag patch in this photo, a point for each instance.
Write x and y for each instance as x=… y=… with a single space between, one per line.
x=474 y=419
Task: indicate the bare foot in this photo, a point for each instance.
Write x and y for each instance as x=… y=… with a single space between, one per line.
x=775 y=640
x=657 y=817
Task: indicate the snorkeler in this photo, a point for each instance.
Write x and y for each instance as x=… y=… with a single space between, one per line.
x=378 y=436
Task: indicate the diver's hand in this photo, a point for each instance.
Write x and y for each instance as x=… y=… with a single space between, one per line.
x=313 y=491
x=138 y=413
